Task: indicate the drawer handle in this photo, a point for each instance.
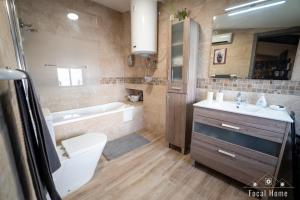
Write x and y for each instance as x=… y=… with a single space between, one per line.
x=176 y=88
x=226 y=153
x=230 y=126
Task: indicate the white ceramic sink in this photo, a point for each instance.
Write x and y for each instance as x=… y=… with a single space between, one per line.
x=231 y=106
x=246 y=109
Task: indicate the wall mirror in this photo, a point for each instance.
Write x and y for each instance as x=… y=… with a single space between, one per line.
x=257 y=40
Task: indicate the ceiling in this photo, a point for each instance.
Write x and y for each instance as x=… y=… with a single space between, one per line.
x=119 y=5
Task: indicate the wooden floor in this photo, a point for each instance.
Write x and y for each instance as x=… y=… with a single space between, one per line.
x=157 y=172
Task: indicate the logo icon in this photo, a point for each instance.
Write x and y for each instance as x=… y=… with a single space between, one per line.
x=268 y=181
x=269 y=186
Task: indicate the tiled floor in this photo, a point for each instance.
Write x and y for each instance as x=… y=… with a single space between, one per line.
x=157 y=172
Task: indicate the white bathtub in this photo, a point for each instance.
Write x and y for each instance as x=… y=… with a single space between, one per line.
x=74 y=115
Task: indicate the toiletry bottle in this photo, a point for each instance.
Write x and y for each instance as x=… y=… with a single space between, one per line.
x=262 y=102
x=220 y=96
x=210 y=97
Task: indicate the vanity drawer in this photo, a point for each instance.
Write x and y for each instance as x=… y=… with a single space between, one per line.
x=249 y=130
x=237 y=162
x=257 y=122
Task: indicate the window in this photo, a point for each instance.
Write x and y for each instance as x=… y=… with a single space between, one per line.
x=63 y=77
x=69 y=76
x=76 y=77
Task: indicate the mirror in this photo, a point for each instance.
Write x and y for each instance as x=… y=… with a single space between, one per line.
x=257 y=40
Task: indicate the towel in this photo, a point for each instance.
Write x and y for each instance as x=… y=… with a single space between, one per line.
x=42 y=156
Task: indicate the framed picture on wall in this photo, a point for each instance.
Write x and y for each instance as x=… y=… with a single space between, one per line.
x=220 y=56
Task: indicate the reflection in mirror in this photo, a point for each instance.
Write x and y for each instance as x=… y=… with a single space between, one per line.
x=275 y=54
x=258 y=41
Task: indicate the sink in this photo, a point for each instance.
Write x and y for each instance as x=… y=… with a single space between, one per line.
x=248 y=108
x=238 y=108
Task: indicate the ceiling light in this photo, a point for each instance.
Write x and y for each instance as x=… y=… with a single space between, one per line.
x=244 y=5
x=72 y=16
x=256 y=8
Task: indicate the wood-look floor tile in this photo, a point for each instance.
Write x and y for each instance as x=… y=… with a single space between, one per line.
x=155 y=172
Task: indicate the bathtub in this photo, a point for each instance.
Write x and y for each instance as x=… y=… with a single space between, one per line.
x=114 y=119
x=74 y=115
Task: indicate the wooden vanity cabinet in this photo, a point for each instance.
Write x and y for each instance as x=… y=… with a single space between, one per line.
x=182 y=62
x=245 y=148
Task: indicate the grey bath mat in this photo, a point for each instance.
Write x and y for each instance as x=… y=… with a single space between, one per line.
x=123 y=145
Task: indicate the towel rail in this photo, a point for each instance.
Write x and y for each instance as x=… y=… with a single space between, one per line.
x=11 y=74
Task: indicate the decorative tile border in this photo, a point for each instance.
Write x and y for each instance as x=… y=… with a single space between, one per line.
x=251 y=85
x=112 y=80
x=132 y=80
x=245 y=85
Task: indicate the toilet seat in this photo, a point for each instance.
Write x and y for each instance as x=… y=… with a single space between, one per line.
x=83 y=143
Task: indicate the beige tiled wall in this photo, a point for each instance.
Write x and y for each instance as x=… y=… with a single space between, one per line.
x=105 y=34
x=10 y=187
x=95 y=40
x=7 y=58
x=10 y=121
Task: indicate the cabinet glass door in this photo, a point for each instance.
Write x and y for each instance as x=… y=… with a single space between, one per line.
x=177 y=52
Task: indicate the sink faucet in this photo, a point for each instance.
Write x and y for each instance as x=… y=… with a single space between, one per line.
x=239 y=99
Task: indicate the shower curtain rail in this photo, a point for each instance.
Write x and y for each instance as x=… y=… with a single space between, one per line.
x=11 y=74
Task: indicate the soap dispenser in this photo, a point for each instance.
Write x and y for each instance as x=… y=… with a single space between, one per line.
x=262 y=102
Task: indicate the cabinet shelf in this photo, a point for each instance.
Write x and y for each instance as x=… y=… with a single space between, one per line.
x=177 y=66
x=176 y=44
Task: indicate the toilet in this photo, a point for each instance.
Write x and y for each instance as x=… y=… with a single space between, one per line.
x=79 y=157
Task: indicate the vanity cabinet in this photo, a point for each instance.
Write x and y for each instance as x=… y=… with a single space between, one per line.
x=182 y=61
x=246 y=148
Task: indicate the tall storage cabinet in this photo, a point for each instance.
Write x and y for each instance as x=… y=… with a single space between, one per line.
x=182 y=79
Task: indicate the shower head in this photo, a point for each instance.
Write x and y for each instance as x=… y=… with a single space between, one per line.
x=26 y=27
x=23 y=25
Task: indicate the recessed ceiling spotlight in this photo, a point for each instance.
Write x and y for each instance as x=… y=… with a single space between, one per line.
x=72 y=16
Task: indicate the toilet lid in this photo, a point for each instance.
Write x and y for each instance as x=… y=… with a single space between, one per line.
x=83 y=143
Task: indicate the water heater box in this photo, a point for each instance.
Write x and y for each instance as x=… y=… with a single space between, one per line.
x=144 y=26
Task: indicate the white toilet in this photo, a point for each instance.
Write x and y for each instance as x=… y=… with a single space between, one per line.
x=79 y=157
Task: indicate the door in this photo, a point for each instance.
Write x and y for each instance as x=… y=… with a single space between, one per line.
x=176 y=119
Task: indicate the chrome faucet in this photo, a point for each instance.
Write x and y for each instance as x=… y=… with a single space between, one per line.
x=239 y=99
